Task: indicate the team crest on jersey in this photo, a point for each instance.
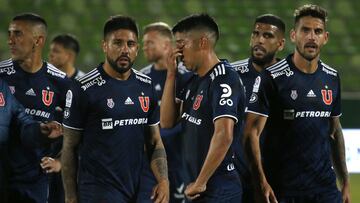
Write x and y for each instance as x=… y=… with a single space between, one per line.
x=47 y=97
x=197 y=102
x=2 y=99
x=144 y=103
x=327 y=96
x=12 y=89
x=110 y=103
x=293 y=94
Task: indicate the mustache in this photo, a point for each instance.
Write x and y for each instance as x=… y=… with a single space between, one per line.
x=259 y=47
x=311 y=44
x=123 y=57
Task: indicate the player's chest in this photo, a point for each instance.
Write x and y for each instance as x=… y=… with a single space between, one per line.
x=38 y=93
x=303 y=94
x=124 y=102
x=197 y=99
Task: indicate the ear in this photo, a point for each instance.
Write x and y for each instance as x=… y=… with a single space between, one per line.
x=40 y=41
x=203 y=42
x=104 y=46
x=281 y=44
x=292 y=35
x=326 y=39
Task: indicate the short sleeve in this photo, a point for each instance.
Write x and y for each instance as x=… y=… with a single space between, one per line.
x=75 y=107
x=154 y=115
x=337 y=103
x=261 y=95
x=227 y=96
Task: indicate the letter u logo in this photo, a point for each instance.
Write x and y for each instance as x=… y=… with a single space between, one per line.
x=47 y=97
x=145 y=103
x=327 y=96
x=197 y=102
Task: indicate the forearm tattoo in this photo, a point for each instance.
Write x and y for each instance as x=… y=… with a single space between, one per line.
x=159 y=164
x=69 y=162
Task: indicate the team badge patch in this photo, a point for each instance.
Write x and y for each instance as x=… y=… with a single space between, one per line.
x=144 y=103
x=47 y=97
x=327 y=96
x=2 y=99
x=110 y=103
x=69 y=96
x=293 y=94
x=197 y=102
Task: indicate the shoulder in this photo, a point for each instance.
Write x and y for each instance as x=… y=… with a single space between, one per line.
x=142 y=77
x=241 y=66
x=146 y=70
x=223 y=71
x=279 y=69
x=90 y=79
x=7 y=67
x=54 y=72
x=328 y=70
x=79 y=74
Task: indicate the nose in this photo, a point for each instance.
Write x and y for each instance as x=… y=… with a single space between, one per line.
x=10 y=40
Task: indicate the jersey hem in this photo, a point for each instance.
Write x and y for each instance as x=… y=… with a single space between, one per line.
x=257 y=113
x=72 y=128
x=226 y=115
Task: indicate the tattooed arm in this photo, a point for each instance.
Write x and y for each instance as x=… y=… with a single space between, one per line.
x=69 y=164
x=158 y=163
x=338 y=157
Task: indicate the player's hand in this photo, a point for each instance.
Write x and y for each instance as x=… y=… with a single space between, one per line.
x=171 y=63
x=194 y=190
x=161 y=193
x=345 y=191
x=267 y=193
x=50 y=165
x=51 y=129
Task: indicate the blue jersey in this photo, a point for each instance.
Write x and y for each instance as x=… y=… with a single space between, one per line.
x=112 y=115
x=296 y=149
x=43 y=96
x=247 y=73
x=12 y=116
x=217 y=94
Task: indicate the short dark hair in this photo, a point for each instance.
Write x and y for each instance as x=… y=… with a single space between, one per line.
x=310 y=10
x=32 y=18
x=161 y=27
x=68 y=41
x=120 y=22
x=197 y=22
x=271 y=19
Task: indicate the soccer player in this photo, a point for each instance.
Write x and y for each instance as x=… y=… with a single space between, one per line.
x=64 y=49
x=298 y=102
x=12 y=114
x=41 y=89
x=112 y=112
x=267 y=38
x=211 y=111
x=157 y=41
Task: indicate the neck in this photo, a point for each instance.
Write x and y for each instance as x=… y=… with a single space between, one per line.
x=69 y=69
x=114 y=74
x=31 y=64
x=160 y=64
x=259 y=68
x=209 y=61
x=305 y=65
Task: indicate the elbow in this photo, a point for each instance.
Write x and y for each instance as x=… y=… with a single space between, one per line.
x=166 y=123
